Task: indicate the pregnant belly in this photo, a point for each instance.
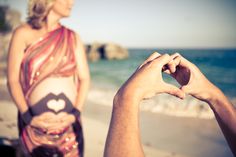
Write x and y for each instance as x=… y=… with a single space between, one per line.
x=53 y=94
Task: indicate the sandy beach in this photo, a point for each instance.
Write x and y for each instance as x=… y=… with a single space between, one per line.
x=162 y=135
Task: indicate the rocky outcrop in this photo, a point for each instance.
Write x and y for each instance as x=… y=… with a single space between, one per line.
x=93 y=51
x=5 y=39
x=9 y=20
x=113 y=51
x=109 y=51
x=13 y=18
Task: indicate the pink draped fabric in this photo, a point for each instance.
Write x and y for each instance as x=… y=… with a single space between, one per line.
x=52 y=54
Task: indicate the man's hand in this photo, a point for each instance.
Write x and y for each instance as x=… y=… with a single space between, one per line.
x=192 y=80
x=147 y=81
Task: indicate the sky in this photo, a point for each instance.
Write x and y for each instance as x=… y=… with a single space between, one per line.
x=152 y=23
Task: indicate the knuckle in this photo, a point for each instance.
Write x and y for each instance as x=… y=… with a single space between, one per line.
x=166 y=55
x=156 y=53
x=177 y=54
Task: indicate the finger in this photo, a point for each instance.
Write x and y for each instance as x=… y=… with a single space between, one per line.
x=173 y=56
x=177 y=61
x=173 y=90
x=176 y=58
x=42 y=125
x=171 y=66
x=62 y=114
x=167 y=71
x=150 y=58
x=162 y=60
x=67 y=120
x=47 y=115
x=54 y=131
x=181 y=61
x=49 y=126
x=54 y=127
x=153 y=56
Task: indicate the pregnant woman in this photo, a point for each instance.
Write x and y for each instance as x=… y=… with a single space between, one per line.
x=48 y=78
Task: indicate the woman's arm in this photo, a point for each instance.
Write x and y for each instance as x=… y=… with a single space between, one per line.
x=82 y=73
x=15 y=55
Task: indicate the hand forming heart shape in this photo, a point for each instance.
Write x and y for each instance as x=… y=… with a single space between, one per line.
x=147 y=80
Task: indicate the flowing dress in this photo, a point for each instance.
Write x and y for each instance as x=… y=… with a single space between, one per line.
x=53 y=55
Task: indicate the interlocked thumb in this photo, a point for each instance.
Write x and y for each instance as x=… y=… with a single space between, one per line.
x=175 y=91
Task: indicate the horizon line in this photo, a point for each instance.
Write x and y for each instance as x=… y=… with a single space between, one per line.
x=166 y=47
x=185 y=48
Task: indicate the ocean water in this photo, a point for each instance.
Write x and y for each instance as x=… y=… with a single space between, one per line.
x=219 y=66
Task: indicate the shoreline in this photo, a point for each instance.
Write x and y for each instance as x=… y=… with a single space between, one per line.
x=189 y=107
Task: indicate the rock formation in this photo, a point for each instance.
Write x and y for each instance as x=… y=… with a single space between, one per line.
x=9 y=20
x=109 y=51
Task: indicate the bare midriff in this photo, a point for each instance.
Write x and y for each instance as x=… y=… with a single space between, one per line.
x=55 y=85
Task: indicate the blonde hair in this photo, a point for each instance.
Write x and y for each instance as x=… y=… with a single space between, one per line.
x=38 y=11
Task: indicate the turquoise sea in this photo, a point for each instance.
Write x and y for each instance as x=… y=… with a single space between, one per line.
x=219 y=66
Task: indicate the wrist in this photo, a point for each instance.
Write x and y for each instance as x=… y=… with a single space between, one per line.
x=124 y=96
x=27 y=116
x=75 y=112
x=215 y=96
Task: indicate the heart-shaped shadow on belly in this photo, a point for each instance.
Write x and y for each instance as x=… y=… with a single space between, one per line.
x=56 y=105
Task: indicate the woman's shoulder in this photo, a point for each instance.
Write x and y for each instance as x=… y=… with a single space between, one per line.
x=71 y=30
x=76 y=34
x=23 y=30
